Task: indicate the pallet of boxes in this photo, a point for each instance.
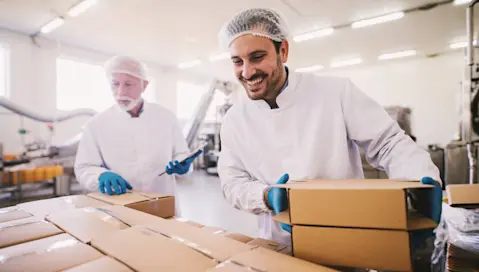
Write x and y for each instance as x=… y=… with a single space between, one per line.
x=354 y=223
x=135 y=231
x=457 y=236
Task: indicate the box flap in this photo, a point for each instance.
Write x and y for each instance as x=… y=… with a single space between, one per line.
x=42 y=208
x=463 y=194
x=24 y=230
x=130 y=197
x=141 y=249
x=260 y=259
x=86 y=223
x=216 y=247
x=54 y=253
x=187 y=221
x=129 y=216
x=238 y=237
x=104 y=264
x=271 y=245
x=12 y=213
x=353 y=184
x=282 y=217
x=213 y=230
x=229 y=267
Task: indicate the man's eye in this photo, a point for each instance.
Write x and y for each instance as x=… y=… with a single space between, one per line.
x=257 y=58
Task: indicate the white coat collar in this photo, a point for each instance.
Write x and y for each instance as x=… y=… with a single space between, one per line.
x=285 y=99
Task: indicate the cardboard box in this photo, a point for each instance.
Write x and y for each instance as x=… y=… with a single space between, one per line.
x=463 y=195
x=351 y=222
x=217 y=247
x=12 y=213
x=260 y=259
x=54 y=253
x=87 y=223
x=129 y=216
x=271 y=245
x=143 y=249
x=187 y=221
x=25 y=230
x=104 y=264
x=353 y=203
x=232 y=235
x=160 y=205
x=42 y=208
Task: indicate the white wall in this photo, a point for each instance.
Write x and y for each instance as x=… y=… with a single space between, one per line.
x=33 y=85
x=429 y=86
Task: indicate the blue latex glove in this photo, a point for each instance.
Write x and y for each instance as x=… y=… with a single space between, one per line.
x=278 y=199
x=109 y=180
x=434 y=211
x=181 y=168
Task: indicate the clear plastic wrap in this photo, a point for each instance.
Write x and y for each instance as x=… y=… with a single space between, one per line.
x=459 y=227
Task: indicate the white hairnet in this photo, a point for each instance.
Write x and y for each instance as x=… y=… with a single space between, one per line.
x=125 y=65
x=256 y=21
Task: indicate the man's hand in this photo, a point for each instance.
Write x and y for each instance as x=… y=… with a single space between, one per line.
x=109 y=180
x=181 y=168
x=277 y=199
x=431 y=209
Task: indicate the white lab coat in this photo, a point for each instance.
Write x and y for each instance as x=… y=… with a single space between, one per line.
x=138 y=149
x=316 y=132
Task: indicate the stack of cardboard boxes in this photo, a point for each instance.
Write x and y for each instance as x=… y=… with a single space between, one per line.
x=353 y=223
x=126 y=233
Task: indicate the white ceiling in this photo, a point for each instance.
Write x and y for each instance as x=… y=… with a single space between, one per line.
x=169 y=32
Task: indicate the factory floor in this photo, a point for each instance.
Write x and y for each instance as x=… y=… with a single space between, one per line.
x=200 y=197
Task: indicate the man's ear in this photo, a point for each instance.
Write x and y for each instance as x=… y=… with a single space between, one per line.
x=284 y=51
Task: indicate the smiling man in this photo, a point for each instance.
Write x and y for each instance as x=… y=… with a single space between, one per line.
x=302 y=126
x=129 y=144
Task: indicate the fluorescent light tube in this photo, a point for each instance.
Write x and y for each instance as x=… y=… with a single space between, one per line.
x=346 y=63
x=457 y=45
x=50 y=26
x=310 y=68
x=189 y=64
x=378 y=20
x=396 y=55
x=461 y=2
x=222 y=56
x=81 y=7
x=313 y=35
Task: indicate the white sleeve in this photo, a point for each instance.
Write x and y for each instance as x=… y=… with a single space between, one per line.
x=89 y=164
x=386 y=145
x=239 y=188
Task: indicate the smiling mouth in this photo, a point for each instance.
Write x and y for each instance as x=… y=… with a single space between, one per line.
x=253 y=84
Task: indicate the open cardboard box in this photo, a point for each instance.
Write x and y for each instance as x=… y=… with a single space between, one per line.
x=12 y=213
x=463 y=195
x=104 y=264
x=55 y=253
x=351 y=222
x=87 y=223
x=42 y=208
x=260 y=259
x=160 y=205
x=25 y=230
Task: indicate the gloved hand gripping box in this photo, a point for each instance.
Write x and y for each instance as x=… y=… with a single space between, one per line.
x=353 y=223
x=160 y=205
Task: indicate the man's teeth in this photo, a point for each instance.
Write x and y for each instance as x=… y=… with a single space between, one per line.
x=254 y=82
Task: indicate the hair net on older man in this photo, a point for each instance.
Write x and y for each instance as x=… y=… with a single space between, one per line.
x=126 y=65
x=256 y=21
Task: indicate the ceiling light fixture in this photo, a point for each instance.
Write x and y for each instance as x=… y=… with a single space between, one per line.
x=378 y=20
x=189 y=64
x=457 y=45
x=222 y=56
x=396 y=55
x=344 y=63
x=81 y=7
x=313 y=35
x=50 y=26
x=461 y=2
x=310 y=68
